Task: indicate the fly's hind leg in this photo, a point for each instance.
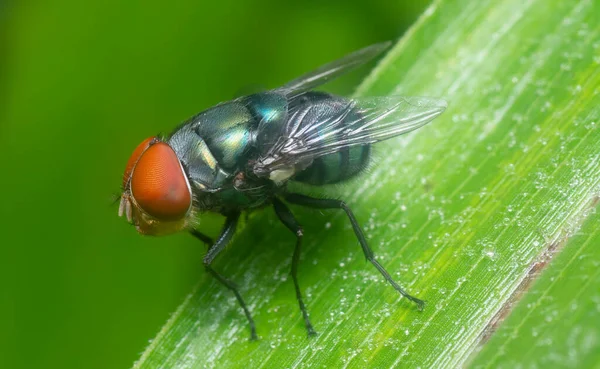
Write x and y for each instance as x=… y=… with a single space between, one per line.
x=287 y=218
x=337 y=204
x=213 y=251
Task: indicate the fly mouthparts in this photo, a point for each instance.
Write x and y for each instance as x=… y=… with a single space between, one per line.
x=125 y=208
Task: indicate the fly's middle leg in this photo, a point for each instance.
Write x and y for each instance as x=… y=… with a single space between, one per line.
x=287 y=218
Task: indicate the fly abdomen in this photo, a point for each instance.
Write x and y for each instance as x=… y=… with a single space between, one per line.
x=342 y=164
x=336 y=167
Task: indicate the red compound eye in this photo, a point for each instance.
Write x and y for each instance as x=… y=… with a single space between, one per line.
x=158 y=183
x=137 y=153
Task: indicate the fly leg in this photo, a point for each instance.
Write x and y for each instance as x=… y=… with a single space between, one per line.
x=207 y=240
x=213 y=251
x=338 y=204
x=287 y=218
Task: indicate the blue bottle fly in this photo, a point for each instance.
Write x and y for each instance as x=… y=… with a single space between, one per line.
x=241 y=154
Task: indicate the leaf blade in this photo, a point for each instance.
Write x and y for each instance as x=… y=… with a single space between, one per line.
x=556 y=322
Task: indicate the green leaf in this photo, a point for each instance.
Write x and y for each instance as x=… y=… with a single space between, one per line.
x=557 y=324
x=460 y=212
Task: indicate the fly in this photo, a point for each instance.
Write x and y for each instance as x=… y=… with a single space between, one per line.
x=240 y=155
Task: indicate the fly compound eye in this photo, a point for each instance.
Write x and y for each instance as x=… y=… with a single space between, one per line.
x=159 y=185
x=137 y=153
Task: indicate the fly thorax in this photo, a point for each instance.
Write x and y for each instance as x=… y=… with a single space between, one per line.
x=227 y=130
x=202 y=168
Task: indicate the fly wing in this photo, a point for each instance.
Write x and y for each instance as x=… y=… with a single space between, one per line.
x=334 y=69
x=288 y=93
x=311 y=133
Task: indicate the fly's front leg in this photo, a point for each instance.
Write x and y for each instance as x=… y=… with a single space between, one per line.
x=287 y=218
x=337 y=204
x=207 y=240
x=213 y=251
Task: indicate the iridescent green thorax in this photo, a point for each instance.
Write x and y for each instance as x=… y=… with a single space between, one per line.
x=218 y=145
x=227 y=130
x=270 y=110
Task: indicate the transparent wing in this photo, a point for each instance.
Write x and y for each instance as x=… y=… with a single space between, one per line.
x=335 y=69
x=267 y=132
x=311 y=133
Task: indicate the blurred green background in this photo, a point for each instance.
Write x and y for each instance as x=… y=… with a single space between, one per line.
x=81 y=84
